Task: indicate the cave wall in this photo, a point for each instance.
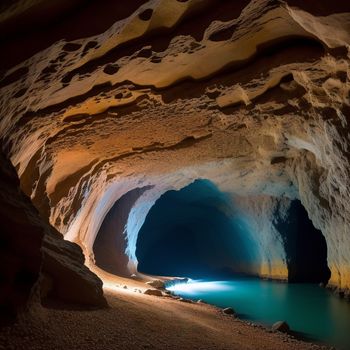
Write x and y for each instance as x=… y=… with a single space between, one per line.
x=110 y=242
x=253 y=96
x=305 y=246
x=21 y=237
x=35 y=262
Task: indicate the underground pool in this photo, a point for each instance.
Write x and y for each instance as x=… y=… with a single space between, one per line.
x=199 y=232
x=313 y=313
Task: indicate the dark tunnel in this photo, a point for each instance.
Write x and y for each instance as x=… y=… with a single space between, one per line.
x=305 y=246
x=194 y=232
x=190 y=233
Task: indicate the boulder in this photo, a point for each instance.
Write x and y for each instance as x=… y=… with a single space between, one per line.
x=184 y=300
x=156 y=284
x=71 y=280
x=154 y=292
x=35 y=261
x=228 y=311
x=280 y=326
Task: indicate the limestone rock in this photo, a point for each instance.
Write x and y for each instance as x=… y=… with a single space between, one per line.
x=185 y=300
x=280 y=326
x=229 y=311
x=155 y=292
x=21 y=236
x=72 y=281
x=33 y=253
x=156 y=284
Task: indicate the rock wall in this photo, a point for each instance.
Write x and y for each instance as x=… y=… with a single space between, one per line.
x=251 y=95
x=20 y=242
x=35 y=262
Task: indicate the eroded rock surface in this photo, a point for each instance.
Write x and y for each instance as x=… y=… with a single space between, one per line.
x=32 y=252
x=71 y=281
x=252 y=95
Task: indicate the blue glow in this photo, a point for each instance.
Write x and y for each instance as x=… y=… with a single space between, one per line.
x=312 y=311
x=198 y=232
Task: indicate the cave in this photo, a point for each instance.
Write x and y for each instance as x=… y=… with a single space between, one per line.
x=109 y=245
x=143 y=141
x=194 y=232
x=190 y=233
x=305 y=246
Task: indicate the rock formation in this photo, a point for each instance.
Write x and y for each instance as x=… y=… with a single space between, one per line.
x=251 y=95
x=20 y=243
x=35 y=262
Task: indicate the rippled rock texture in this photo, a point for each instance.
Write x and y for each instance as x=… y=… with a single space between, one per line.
x=251 y=95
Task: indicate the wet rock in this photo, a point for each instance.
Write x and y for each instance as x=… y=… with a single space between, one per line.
x=228 y=311
x=280 y=326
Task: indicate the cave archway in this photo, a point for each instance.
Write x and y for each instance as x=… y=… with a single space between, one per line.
x=191 y=232
x=110 y=244
x=305 y=246
x=197 y=232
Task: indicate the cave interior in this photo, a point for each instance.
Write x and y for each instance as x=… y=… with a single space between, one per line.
x=197 y=232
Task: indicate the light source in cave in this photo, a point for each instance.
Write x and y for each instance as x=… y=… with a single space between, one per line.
x=196 y=287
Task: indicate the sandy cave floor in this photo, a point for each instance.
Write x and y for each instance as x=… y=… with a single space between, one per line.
x=138 y=321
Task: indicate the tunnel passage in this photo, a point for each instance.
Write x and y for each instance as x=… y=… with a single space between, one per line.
x=305 y=246
x=197 y=232
x=110 y=244
x=189 y=233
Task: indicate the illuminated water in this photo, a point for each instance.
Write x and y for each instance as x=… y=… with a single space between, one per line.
x=310 y=310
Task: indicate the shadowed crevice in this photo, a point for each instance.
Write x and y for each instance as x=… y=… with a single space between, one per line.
x=110 y=243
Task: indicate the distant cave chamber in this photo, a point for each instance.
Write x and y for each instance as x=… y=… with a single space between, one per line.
x=305 y=246
x=198 y=232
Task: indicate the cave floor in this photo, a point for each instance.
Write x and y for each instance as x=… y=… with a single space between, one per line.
x=138 y=321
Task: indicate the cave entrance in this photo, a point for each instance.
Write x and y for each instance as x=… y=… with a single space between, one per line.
x=197 y=232
x=305 y=247
x=190 y=233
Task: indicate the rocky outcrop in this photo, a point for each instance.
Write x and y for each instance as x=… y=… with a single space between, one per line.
x=21 y=235
x=280 y=326
x=68 y=278
x=154 y=292
x=156 y=284
x=109 y=245
x=251 y=95
x=35 y=261
x=228 y=311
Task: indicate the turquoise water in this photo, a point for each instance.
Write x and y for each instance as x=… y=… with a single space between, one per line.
x=315 y=313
